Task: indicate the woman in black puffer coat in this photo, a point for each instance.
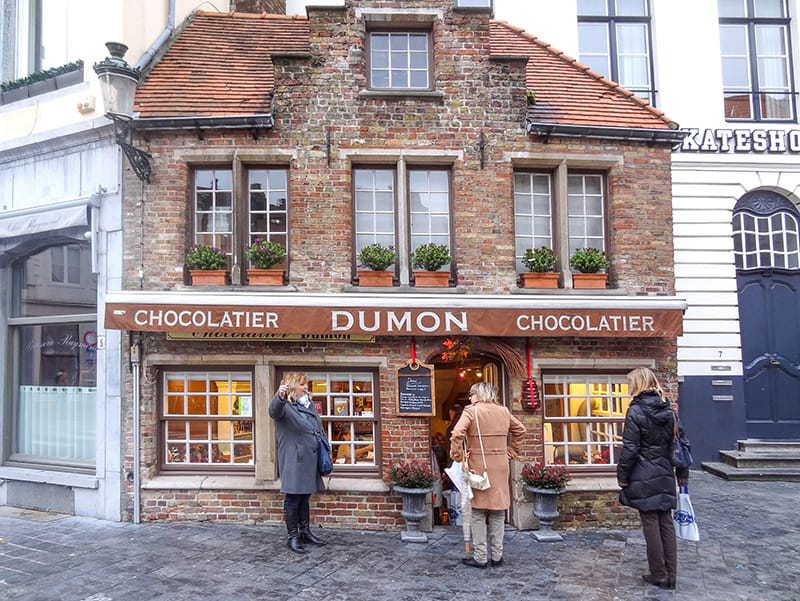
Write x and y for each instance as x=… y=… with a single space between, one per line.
x=646 y=476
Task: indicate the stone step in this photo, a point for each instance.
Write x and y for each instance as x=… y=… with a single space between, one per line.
x=729 y=472
x=756 y=445
x=761 y=459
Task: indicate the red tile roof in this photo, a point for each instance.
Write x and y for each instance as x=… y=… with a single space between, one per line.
x=221 y=65
x=568 y=92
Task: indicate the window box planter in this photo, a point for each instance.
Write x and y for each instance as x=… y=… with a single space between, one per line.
x=15 y=95
x=382 y=279
x=589 y=280
x=541 y=279
x=42 y=87
x=265 y=277
x=431 y=279
x=209 y=277
x=69 y=79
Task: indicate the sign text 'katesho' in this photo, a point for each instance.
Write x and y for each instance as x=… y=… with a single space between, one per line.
x=397 y=321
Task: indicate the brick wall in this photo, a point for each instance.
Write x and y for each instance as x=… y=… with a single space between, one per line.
x=317 y=102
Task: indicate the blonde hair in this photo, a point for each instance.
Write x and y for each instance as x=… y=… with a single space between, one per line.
x=485 y=392
x=293 y=379
x=643 y=378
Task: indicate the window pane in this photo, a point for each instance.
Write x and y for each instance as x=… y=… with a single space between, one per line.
x=211 y=400
x=56 y=281
x=592 y=7
x=584 y=416
x=594 y=47
x=769 y=8
x=732 y=8
x=632 y=8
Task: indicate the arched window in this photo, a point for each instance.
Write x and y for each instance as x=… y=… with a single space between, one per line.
x=765 y=232
x=53 y=326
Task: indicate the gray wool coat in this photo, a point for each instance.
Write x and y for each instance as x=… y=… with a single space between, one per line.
x=297 y=446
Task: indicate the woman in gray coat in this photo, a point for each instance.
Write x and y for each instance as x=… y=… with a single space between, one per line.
x=298 y=424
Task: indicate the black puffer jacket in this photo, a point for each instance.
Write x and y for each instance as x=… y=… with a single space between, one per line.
x=644 y=461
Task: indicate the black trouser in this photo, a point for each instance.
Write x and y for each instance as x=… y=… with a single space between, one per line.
x=296 y=511
x=662 y=546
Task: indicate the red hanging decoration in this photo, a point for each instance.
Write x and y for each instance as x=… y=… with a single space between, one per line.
x=413 y=351
x=530 y=392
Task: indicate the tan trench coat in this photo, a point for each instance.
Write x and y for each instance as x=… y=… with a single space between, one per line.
x=496 y=424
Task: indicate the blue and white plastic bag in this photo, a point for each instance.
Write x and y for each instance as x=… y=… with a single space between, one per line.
x=684 y=517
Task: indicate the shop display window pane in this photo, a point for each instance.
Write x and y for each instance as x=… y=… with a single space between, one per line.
x=584 y=416
x=208 y=435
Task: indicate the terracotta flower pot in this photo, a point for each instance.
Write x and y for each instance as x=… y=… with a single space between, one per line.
x=209 y=277
x=435 y=279
x=369 y=277
x=589 y=280
x=265 y=277
x=539 y=279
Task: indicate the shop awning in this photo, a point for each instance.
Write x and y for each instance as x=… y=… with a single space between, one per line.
x=253 y=314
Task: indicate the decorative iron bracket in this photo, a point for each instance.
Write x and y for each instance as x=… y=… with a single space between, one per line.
x=123 y=134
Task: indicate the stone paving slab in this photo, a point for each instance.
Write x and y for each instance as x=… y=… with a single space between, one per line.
x=749 y=551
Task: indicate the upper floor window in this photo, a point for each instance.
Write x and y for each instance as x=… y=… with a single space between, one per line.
x=399 y=60
x=614 y=40
x=473 y=3
x=539 y=208
x=65 y=264
x=232 y=212
x=755 y=49
x=418 y=215
x=46 y=34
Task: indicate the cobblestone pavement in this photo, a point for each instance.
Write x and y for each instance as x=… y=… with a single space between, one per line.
x=749 y=550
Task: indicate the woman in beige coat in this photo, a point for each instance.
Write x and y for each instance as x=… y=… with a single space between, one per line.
x=496 y=423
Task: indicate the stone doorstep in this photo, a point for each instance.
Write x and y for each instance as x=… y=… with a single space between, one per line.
x=730 y=472
x=756 y=460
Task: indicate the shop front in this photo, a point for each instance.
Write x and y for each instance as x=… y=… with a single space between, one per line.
x=206 y=366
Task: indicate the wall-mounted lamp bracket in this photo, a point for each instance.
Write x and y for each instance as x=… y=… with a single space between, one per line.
x=123 y=134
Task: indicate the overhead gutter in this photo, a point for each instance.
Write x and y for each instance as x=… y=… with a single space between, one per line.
x=260 y=121
x=633 y=134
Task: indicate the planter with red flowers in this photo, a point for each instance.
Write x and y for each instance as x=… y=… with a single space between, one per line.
x=207 y=265
x=545 y=483
x=263 y=256
x=413 y=480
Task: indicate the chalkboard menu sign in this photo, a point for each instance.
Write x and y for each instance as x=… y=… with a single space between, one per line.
x=415 y=389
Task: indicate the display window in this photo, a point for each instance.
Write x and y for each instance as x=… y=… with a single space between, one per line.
x=207 y=420
x=584 y=415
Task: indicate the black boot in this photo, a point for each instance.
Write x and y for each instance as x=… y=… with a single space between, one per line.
x=293 y=539
x=293 y=542
x=309 y=537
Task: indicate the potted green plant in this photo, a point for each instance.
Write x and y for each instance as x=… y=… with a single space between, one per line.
x=377 y=259
x=263 y=255
x=414 y=481
x=540 y=263
x=429 y=259
x=207 y=265
x=589 y=265
x=545 y=483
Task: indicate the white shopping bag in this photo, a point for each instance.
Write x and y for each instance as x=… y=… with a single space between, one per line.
x=684 y=518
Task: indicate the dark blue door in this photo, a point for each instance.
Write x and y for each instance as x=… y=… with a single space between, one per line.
x=769 y=314
x=766 y=227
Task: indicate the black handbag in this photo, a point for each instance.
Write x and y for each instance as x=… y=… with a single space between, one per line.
x=681 y=448
x=324 y=462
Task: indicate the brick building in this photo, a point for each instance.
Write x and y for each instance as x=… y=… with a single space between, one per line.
x=402 y=123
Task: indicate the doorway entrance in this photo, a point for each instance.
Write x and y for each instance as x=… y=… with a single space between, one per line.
x=766 y=228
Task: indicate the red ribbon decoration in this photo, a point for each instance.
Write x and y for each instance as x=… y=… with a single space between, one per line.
x=413 y=351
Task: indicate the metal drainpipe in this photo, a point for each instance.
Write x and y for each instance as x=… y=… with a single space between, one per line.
x=163 y=37
x=136 y=361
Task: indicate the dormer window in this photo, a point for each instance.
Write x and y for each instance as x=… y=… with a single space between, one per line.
x=400 y=60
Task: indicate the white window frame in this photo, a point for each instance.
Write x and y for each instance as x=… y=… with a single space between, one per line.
x=583 y=428
x=415 y=223
x=178 y=453
x=569 y=228
x=615 y=24
x=766 y=241
x=753 y=92
x=397 y=61
x=230 y=223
